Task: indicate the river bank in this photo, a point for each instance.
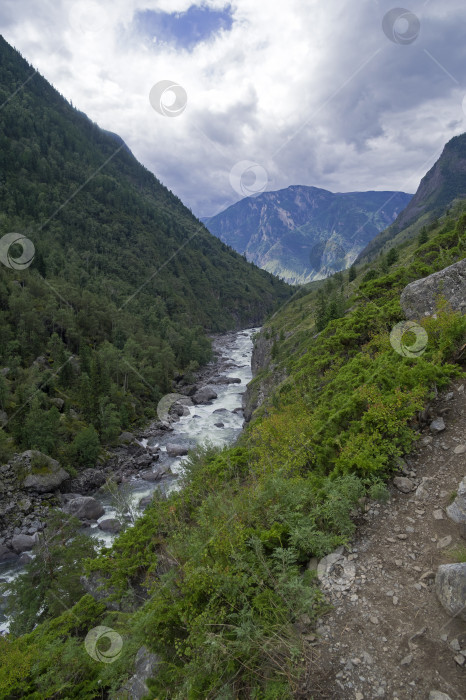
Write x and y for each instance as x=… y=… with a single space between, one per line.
x=147 y=460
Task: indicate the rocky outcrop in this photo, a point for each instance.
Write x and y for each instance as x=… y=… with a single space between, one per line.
x=204 y=395
x=110 y=525
x=43 y=474
x=457 y=510
x=84 y=508
x=450 y=586
x=420 y=298
x=145 y=667
x=175 y=450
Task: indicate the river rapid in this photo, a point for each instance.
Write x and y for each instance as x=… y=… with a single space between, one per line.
x=219 y=422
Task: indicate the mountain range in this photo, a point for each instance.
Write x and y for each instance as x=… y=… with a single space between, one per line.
x=306 y=233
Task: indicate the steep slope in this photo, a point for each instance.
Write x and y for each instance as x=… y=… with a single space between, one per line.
x=224 y=569
x=439 y=188
x=124 y=285
x=305 y=233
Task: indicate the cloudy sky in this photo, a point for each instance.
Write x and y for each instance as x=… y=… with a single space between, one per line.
x=270 y=93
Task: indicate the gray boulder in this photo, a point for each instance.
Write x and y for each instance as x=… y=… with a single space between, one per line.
x=110 y=525
x=125 y=438
x=450 y=586
x=457 y=510
x=437 y=695
x=59 y=403
x=47 y=476
x=84 y=507
x=204 y=395
x=404 y=484
x=146 y=665
x=155 y=474
x=22 y=543
x=420 y=298
x=145 y=501
x=175 y=450
x=6 y=554
x=88 y=480
x=437 y=425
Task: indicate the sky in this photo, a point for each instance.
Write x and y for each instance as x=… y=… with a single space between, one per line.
x=222 y=100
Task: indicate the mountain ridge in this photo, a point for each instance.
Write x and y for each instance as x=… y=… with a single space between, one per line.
x=301 y=232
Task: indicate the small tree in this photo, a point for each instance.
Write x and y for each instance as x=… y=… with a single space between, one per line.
x=392 y=256
x=51 y=582
x=423 y=236
x=352 y=273
x=85 y=447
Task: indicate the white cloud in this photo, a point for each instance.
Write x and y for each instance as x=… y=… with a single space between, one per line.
x=313 y=91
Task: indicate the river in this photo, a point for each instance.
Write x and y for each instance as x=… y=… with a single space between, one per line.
x=232 y=358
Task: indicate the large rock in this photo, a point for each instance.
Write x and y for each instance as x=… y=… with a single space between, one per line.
x=223 y=379
x=420 y=298
x=6 y=554
x=146 y=665
x=110 y=525
x=204 y=395
x=88 y=480
x=404 y=484
x=44 y=474
x=84 y=507
x=22 y=543
x=175 y=450
x=450 y=586
x=457 y=510
x=156 y=474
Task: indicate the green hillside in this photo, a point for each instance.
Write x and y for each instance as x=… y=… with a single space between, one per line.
x=125 y=282
x=227 y=601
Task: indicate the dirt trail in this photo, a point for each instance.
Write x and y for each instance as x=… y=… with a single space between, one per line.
x=387 y=635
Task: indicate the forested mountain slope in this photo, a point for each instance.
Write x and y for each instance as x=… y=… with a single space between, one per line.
x=218 y=580
x=440 y=188
x=304 y=233
x=125 y=281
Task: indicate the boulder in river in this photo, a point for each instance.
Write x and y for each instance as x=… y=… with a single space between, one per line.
x=204 y=395
x=43 y=474
x=6 y=554
x=84 y=507
x=156 y=474
x=223 y=379
x=176 y=450
x=22 y=543
x=110 y=525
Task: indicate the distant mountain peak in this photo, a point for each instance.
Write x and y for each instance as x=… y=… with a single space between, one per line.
x=302 y=232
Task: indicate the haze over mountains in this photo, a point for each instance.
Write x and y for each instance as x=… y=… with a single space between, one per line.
x=305 y=233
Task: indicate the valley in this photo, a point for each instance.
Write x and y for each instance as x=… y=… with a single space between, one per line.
x=232 y=450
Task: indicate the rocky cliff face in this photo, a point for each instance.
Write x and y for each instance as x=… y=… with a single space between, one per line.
x=439 y=188
x=306 y=233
